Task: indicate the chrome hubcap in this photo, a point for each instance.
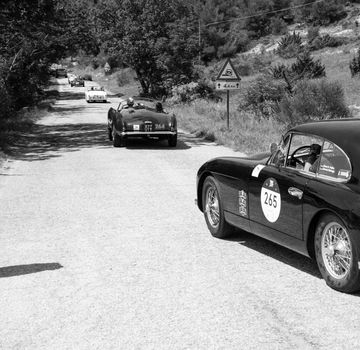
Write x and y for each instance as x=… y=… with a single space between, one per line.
x=336 y=250
x=212 y=207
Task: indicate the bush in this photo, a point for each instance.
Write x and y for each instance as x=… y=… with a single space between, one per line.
x=306 y=67
x=87 y=76
x=263 y=96
x=278 y=26
x=192 y=91
x=326 y=12
x=313 y=100
x=124 y=76
x=321 y=42
x=355 y=65
x=114 y=62
x=290 y=45
x=252 y=64
x=279 y=71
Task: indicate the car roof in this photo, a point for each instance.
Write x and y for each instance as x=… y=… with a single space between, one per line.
x=340 y=131
x=345 y=133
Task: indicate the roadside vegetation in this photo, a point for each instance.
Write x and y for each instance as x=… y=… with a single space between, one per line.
x=295 y=66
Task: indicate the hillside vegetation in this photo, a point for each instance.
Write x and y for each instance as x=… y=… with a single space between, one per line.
x=297 y=58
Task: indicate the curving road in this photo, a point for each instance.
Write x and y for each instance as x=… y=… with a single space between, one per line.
x=103 y=248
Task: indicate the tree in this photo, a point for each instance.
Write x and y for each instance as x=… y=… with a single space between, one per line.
x=29 y=33
x=321 y=13
x=157 y=41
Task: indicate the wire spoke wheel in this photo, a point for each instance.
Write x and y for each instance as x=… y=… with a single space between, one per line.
x=336 y=250
x=212 y=206
x=213 y=210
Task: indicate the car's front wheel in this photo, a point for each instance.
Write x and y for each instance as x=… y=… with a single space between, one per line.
x=336 y=254
x=212 y=208
x=118 y=141
x=172 y=140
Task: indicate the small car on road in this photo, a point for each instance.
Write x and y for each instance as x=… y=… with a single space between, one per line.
x=305 y=195
x=71 y=77
x=61 y=72
x=77 y=81
x=95 y=94
x=141 y=118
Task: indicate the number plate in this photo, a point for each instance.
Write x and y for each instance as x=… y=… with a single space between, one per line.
x=136 y=127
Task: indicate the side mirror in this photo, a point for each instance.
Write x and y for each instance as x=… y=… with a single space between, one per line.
x=273 y=148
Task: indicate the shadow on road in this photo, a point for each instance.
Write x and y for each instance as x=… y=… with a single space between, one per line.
x=277 y=252
x=44 y=141
x=17 y=270
x=70 y=95
x=65 y=110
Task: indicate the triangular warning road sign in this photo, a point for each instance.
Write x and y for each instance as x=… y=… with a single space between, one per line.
x=228 y=72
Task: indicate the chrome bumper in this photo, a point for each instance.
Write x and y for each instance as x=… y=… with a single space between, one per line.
x=148 y=133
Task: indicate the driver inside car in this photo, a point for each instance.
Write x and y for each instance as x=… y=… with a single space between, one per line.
x=311 y=161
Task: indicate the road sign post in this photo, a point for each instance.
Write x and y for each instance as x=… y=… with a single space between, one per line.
x=228 y=79
x=228 y=108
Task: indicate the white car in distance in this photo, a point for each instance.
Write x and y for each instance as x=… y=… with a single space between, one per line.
x=95 y=94
x=71 y=77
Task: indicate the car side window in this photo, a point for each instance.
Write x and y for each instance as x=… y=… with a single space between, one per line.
x=304 y=152
x=334 y=163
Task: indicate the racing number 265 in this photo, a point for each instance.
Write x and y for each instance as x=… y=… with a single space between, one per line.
x=270 y=199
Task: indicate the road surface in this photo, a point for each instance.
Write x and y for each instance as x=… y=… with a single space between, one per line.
x=103 y=248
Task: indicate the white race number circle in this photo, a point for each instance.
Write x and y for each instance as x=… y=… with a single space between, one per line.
x=270 y=199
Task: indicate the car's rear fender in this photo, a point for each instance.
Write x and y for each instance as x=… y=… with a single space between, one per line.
x=200 y=183
x=231 y=173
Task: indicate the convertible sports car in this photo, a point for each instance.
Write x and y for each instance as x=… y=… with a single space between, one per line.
x=77 y=81
x=141 y=118
x=305 y=196
x=95 y=94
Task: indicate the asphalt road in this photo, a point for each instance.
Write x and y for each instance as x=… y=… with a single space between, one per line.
x=103 y=248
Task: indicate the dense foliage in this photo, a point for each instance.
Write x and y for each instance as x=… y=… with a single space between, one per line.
x=290 y=45
x=33 y=34
x=160 y=40
x=313 y=100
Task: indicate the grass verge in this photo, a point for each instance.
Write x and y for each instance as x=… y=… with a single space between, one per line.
x=246 y=133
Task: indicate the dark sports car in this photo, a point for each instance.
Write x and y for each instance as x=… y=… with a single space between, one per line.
x=141 y=118
x=77 y=81
x=305 y=196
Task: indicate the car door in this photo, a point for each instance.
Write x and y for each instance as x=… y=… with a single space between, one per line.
x=276 y=191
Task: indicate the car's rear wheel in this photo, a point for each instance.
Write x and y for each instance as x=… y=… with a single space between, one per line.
x=172 y=140
x=336 y=254
x=213 y=212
